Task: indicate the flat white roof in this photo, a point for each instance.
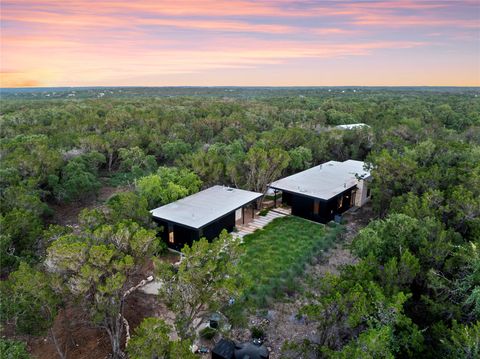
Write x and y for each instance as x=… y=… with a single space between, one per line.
x=352 y=126
x=324 y=181
x=206 y=206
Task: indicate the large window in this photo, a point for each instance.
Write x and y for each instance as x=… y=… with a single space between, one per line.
x=171 y=238
x=352 y=199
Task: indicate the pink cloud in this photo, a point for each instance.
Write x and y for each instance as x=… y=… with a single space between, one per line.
x=84 y=42
x=99 y=65
x=393 y=21
x=219 y=25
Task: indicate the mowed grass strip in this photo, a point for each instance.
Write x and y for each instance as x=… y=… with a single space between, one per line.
x=277 y=255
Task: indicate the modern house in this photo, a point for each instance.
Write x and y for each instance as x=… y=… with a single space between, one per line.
x=322 y=192
x=203 y=214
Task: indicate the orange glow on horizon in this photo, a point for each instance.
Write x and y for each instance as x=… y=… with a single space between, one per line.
x=239 y=42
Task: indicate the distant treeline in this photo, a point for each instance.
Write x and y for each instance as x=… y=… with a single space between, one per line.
x=221 y=91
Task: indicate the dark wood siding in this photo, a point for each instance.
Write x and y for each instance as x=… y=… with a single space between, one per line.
x=287 y=198
x=184 y=235
x=163 y=228
x=323 y=211
x=181 y=235
x=302 y=206
x=213 y=229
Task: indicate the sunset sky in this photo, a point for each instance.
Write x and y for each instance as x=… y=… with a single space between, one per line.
x=239 y=42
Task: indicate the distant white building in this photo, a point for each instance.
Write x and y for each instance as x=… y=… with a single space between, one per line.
x=352 y=126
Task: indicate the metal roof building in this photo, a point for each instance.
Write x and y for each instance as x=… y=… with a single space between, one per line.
x=323 y=191
x=203 y=214
x=201 y=208
x=323 y=181
x=352 y=126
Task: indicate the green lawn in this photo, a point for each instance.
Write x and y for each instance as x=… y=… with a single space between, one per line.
x=276 y=256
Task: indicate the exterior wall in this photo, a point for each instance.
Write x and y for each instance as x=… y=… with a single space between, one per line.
x=318 y=210
x=362 y=193
x=184 y=235
x=181 y=235
x=163 y=234
x=287 y=198
x=301 y=206
x=213 y=229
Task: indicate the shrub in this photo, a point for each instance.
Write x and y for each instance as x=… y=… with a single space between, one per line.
x=168 y=184
x=79 y=178
x=128 y=205
x=11 y=349
x=264 y=212
x=332 y=224
x=20 y=229
x=150 y=339
x=257 y=333
x=134 y=160
x=208 y=333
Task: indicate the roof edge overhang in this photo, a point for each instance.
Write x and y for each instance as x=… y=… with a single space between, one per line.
x=314 y=197
x=206 y=224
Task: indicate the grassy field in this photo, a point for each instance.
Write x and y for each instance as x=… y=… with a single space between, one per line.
x=276 y=256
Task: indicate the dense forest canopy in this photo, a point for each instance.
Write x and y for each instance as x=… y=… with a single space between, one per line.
x=415 y=290
x=217 y=91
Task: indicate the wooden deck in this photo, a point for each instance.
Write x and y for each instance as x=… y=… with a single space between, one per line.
x=260 y=222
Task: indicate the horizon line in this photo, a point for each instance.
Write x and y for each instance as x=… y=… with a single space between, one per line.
x=238 y=86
